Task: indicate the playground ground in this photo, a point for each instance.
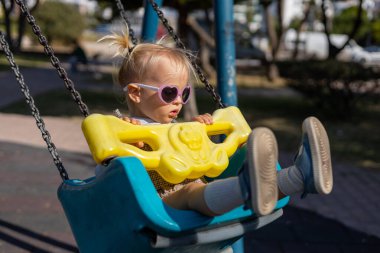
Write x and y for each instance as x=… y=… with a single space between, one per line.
x=32 y=220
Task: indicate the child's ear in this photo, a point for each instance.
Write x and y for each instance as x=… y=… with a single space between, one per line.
x=134 y=93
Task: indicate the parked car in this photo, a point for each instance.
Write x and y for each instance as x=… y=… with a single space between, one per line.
x=369 y=56
x=314 y=45
x=372 y=48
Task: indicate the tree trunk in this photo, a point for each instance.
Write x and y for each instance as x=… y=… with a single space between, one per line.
x=205 y=42
x=299 y=29
x=272 y=70
x=182 y=23
x=7 y=9
x=205 y=59
x=22 y=24
x=21 y=31
x=280 y=31
x=333 y=50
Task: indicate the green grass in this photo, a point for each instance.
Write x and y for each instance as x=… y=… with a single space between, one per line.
x=36 y=60
x=353 y=141
x=60 y=103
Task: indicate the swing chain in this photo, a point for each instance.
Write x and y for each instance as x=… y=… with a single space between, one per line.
x=36 y=114
x=124 y=16
x=180 y=44
x=53 y=59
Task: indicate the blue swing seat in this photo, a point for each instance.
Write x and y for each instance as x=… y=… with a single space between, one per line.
x=120 y=211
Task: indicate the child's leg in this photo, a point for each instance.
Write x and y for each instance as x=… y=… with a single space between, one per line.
x=312 y=170
x=255 y=185
x=225 y=196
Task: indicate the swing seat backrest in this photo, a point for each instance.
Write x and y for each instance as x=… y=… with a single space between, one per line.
x=179 y=150
x=120 y=211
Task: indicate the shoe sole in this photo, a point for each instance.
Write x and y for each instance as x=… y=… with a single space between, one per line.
x=320 y=152
x=262 y=161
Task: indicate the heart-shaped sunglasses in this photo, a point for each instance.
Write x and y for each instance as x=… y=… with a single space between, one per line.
x=167 y=93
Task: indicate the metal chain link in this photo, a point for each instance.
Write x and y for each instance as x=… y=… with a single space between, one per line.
x=124 y=16
x=34 y=110
x=180 y=44
x=53 y=59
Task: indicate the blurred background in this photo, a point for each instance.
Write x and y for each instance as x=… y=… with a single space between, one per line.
x=294 y=58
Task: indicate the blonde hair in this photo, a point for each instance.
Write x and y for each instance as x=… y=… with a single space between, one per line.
x=139 y=59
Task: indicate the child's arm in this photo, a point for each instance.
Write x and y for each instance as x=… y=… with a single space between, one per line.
x=204 y=118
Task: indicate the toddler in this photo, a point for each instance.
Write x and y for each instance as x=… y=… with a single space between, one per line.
x=155 y=82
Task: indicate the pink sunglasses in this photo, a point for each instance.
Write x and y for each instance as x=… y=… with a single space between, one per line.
x=167 y=93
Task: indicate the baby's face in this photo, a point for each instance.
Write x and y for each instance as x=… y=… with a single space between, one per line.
x=165 y=72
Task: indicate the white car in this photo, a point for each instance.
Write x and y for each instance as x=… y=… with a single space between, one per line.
x=357 y=54
x=373 y=56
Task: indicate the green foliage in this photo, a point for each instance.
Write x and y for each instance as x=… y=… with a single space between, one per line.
x=344 y=23
x=295 y=23
x=375 y=31
x=188 y=5
x=331 y=84
x=59 y=21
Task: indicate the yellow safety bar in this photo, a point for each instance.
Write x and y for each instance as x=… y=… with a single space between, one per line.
x=179 y=150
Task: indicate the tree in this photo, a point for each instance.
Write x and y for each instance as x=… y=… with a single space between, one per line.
x=299 y=26
x=32 y=5
x=335 y=86
x=184 y=7
x=275 y=37
x=59 y=21
x=7 y=9
x=333 y=50
x=375 y=31
x=9 y=6
x=343 y=23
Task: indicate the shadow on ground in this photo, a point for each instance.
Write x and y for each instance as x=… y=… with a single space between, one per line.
x=17 y=239
x=303 y=231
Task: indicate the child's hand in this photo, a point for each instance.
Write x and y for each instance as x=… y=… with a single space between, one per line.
x=132 y=121
x=204 y=118
x=139 y=144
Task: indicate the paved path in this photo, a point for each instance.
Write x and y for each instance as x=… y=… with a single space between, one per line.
x=31 y=219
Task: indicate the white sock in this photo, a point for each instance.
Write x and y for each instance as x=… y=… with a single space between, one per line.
x=290 y=180
x=223 y=195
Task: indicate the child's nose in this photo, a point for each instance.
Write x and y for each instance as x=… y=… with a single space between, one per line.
x=178 y=100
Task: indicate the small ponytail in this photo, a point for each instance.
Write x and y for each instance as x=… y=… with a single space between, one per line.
x=122 y=41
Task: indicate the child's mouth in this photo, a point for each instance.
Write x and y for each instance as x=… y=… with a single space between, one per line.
x=173 y=113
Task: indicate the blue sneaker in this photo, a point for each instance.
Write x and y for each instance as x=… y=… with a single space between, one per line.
x=258 y=176
x=313 y=158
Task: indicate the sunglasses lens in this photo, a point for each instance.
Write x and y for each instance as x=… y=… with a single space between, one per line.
x=169 y=94
x=186 y=94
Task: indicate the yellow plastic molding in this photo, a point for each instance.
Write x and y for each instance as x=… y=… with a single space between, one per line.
x=180 y=150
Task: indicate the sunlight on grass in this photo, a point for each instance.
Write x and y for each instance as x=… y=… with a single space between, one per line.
x=25 y=62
